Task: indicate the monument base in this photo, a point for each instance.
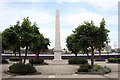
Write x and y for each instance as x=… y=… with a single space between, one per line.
x=57 y=55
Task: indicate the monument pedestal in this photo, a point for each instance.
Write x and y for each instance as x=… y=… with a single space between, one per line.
x=57 y=55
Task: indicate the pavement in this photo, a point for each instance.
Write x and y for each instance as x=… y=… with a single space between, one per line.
x=61 y=69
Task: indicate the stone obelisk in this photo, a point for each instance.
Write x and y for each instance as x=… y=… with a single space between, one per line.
x=57 y=48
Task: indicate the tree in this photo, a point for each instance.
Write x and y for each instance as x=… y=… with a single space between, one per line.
x=46 y=44
x=86 y=34
x=40 y=45
x=102 y=36
x=11 y=39
x=32 y=38
x=25 y=35
x=84 y=47
x=72 y=45
x=17 y=30
x=37 y=46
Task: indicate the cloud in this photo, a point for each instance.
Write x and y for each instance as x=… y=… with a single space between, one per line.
x=114 y=39
x=104 y=4
x=11 y=15
x=99 y=3
x=112 y=19
x=77 y=19
x=21 y=0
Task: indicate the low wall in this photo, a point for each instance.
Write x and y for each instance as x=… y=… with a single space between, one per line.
x=66 y=57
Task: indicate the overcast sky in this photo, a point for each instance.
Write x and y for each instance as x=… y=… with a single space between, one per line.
x=72 y=14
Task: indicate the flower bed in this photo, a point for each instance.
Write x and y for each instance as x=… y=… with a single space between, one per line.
x=97 y=69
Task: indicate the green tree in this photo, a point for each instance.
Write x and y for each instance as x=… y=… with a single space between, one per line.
x=86 y=34
x=40 y=45
x=26 y=35
x=72 y=44
x=46 y=44
x=102 y=36
x=89 y=36
x=31 y=38
x=37 y=46
x=11 y=39
x=17 y=30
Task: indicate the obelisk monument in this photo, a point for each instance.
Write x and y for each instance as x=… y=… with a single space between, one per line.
x=57 y=48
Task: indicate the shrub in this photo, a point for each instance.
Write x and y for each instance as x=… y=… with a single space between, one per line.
x=36 y=61
x=114 y=60
x=4 y=61
x=96 y=68
x=104 y=70
x=118 y=60
x=21 y=68
x=77 y=61
x=14 y=59
x=107 y=70
x=100 y=69
x=84 y=68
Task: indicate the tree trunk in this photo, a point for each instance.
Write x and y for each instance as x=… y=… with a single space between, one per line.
x=87 y=54
x=75 y=55
x=39 y=52
x=20 y=55
x=37 y=55
x=14 y=52
x=92 y=57
x=25 y=54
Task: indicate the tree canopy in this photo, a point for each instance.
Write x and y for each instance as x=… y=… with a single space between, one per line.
x=25 y=35
x=88 y=36
x=72 y=44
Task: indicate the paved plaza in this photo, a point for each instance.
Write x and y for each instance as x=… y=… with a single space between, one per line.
x=61 y=69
